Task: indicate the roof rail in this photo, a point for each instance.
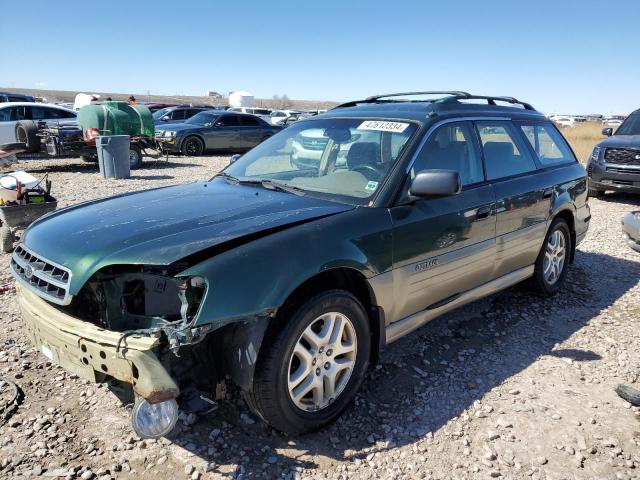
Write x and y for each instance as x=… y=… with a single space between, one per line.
x=451 y=96
x=490 y=100
x=455 y=93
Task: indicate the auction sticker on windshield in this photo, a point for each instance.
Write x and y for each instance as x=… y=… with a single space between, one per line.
x=382 y=126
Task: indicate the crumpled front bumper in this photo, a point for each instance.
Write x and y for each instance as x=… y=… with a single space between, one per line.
x=92 y=352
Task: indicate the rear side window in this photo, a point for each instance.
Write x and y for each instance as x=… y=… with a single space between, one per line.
x=504 y=153
x=548 y=144
x=250 y=121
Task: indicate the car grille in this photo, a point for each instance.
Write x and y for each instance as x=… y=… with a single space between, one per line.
x=635 y=171
x=47 y=279
x=622 y=156
x=313 y=143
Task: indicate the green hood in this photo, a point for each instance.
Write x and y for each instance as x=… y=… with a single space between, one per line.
x=162 y=226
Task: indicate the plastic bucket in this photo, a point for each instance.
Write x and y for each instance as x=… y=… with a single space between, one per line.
x=113 y=156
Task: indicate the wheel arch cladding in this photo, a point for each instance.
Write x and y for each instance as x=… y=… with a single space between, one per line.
x=352 y=281
x=567 y=215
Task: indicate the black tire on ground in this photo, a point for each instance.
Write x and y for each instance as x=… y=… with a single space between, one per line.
x=192 y=146
x=27 y=133
x=90 y=158
x=629 y=394
x=595 y=193
x=538 y=281
x=270 y=397
x=135 y=157
x=6 y=238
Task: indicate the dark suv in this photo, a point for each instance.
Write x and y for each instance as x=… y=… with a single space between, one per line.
x=290 y=278
x=614 y=163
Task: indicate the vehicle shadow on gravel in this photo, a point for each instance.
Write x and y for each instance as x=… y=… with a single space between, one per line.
x=618 y=197
x=426 y=379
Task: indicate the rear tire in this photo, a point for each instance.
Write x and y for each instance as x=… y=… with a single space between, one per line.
x=89 y=158
x=135 y=157
x=27 y=133
x=192 y=146
x=300 y=386
x=553 y=259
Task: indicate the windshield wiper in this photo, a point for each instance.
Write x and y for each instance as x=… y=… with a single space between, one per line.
x=266 y=183
x=282 y=187
x=229 y=178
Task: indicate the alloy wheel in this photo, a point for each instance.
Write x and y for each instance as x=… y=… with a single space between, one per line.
x=554 y=257
x=322 y=361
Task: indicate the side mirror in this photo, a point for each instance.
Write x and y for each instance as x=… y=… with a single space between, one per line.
x=165 y=118
x=607 y=131
x=234 y=158
x=436 y=183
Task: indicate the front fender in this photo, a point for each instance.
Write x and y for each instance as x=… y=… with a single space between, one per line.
x=255 y=279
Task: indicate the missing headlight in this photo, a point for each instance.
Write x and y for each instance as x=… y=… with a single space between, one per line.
x=122 y=299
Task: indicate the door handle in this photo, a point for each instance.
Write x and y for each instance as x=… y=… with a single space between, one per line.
x=483 y=212
x=548 y=193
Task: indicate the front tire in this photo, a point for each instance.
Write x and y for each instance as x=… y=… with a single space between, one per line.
x=311 y=366
x=192 y=147
x=553 y=259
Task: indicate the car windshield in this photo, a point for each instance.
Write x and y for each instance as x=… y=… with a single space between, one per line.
x=342 y=159
x=158 y=114
x=631 y=126
x=203 y=118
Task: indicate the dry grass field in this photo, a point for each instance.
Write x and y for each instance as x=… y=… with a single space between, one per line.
x=583 y=137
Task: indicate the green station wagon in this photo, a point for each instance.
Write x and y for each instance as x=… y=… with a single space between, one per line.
x=290 y=277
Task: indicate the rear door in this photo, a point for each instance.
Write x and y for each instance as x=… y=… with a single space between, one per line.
x=251 y=132
x=9 y=116
x=444 y=246
x=523 y=200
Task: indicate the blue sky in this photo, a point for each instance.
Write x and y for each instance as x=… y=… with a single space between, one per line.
x=562 y=55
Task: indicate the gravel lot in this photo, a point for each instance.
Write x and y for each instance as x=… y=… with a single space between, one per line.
x=513 y=386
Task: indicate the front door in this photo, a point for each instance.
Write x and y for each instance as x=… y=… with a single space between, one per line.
x=443 y=246
x=223 y=136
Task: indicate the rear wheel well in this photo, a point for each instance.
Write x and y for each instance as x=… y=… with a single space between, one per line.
x=567 y=216
x=346 y=279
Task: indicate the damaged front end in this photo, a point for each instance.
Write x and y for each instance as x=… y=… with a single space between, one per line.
x=133 y=326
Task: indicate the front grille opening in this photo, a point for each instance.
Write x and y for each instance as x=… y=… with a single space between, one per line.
x=45 y=278
x=622 y=156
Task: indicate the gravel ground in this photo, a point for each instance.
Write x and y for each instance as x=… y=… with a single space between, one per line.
x=513 y=386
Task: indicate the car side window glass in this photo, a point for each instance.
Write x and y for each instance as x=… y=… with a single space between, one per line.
x=250 y=121
x=230 y=120
x=5 y=114
x=41 y=113
x=548 y=144
x=178 y=114
x=16 y=113
x=504 y=153
x=451 y=147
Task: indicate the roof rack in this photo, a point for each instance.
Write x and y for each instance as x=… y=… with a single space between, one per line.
x=451 y=97
x=490 y=100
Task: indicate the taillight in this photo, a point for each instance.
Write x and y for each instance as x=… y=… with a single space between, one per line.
x=91 y=135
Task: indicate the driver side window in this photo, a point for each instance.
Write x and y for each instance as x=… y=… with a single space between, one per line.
x=452 y=147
